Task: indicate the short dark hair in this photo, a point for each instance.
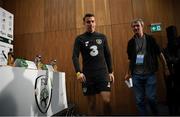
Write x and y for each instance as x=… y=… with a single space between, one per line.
x=88 y=15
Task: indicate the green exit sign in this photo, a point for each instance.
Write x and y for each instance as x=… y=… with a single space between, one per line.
x=156 y=27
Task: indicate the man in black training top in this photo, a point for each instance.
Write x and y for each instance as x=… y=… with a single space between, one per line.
x=96 y=73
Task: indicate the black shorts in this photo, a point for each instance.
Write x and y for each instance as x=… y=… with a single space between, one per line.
x=96 y=82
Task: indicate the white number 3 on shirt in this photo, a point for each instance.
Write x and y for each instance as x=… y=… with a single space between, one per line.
x=94 y=51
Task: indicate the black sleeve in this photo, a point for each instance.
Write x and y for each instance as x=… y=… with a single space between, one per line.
x=129 y=51
x=75 y=56
x=107 y=55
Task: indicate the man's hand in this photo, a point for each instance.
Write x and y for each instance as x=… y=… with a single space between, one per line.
x=81 y=77
x=127 y=76
x=111 y=77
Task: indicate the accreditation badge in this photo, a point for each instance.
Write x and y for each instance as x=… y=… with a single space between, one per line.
x=139 y=59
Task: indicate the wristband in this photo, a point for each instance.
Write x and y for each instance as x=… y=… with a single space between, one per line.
x=78 y=74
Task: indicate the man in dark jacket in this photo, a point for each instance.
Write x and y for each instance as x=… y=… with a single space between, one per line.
x=143 y=53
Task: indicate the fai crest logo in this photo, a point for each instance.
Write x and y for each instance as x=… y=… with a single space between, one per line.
x=99 y=41
x=43 y=92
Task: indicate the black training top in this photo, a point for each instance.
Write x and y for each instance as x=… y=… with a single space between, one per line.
x=94 y=50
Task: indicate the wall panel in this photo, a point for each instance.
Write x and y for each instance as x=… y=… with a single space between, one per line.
x=99 y=7
x=102 y=12
x=29 y=15
x=28 y=46
x=139 y=9
x=59 y=15
x=121 y=11
x=160 y=11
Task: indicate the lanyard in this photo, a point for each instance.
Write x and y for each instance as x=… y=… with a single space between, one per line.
x=140 y=44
